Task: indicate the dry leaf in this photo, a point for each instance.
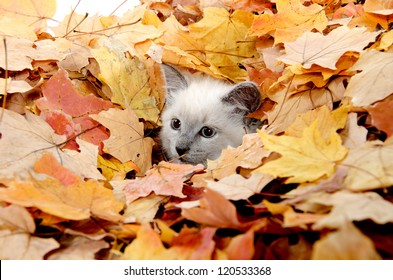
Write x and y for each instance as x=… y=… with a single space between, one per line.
x=382 y=114
x=347 y=243
x=303 y=159
x=290 y=22
x=315 y=48
x=163 y=179
x=127 y=141
x=370 y=166
x=373 y=83
x=74 y=202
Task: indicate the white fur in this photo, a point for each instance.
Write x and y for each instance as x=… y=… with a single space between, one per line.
x=198 y=105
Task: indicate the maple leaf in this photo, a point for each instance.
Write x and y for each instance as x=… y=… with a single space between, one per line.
x=17 y=241
x=248 y=155
x=47 y=164
x=79 y=248
x=291 y=20
x=315 y=48
x=216 y=211
x=143 y=210
x=163 y=179
x=241 y=247
x=27 y=15
x=353 y=135
x=370 y=166
x=128 y=80
x=74 y=202
x=373 y=83
x=236 y=187
x=127 y=141
x=60 y=95
x=16 y=129
x=381 y=114
x=348 y=243
x=303 y=159
x=233 y=45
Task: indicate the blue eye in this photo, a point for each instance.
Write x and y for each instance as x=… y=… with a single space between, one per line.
x=175 y=124
x=207 y=132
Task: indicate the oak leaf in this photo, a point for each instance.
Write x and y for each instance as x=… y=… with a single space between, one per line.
x=303 y=159
x=17 y=240
x=163 y=179
x=373 y=83
x=347 y=243
x=74 y=202
x=127 y=141
x=290 y=22
x=315 y=48
x=370 y=166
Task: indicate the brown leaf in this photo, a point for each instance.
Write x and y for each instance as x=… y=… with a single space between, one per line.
x=382 y=114
x=347 y=243
x=163 y=179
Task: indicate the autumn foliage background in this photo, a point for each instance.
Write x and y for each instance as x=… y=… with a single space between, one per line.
x=82 y=175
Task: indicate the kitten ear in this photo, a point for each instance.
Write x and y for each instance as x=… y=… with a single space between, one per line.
x=173 y=78
x=245 y=97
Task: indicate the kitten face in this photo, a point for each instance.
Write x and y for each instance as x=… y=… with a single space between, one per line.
x=202 y=116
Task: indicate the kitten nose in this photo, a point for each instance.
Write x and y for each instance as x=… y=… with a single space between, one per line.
x=181 y=151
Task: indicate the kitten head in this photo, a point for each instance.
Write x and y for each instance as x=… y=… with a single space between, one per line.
x=203 y=116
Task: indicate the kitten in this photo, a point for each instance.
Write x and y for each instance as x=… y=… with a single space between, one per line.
x=204 y=115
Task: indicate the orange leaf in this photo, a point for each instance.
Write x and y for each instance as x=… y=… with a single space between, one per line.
x=48 y=165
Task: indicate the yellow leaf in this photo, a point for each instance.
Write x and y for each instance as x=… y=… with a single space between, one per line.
x=129 y=82
x=28 y=14
x=291 y=20
x=327 y=121
x=127 y=141
x=303 y=159
x=75 y=202
x=225 y=39
x=113 y=169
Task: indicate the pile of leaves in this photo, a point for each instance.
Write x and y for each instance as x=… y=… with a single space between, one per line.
x=81 y=171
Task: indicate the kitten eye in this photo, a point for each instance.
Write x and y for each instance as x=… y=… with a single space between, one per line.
x=207 y=132
x=175 y=124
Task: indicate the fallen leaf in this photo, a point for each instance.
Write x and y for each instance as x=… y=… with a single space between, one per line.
x=291 y=21
x=215 y=211
x=347 y=243
x=381 y=112
x=128 y=80
x=48 y=165
x=349 y=207
x=143 y=210
x=127 y=141
x=248 y=155
x=15 y=129
x=369 y=166
x=236 y=187
x=79 y=248
x=234 y=44
x=16 y=236
x=374 y=78
x=353 y=135
x=74 y=202
x=163 y=179
x=303 y=159
x=241 y=247
x=315 y=48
